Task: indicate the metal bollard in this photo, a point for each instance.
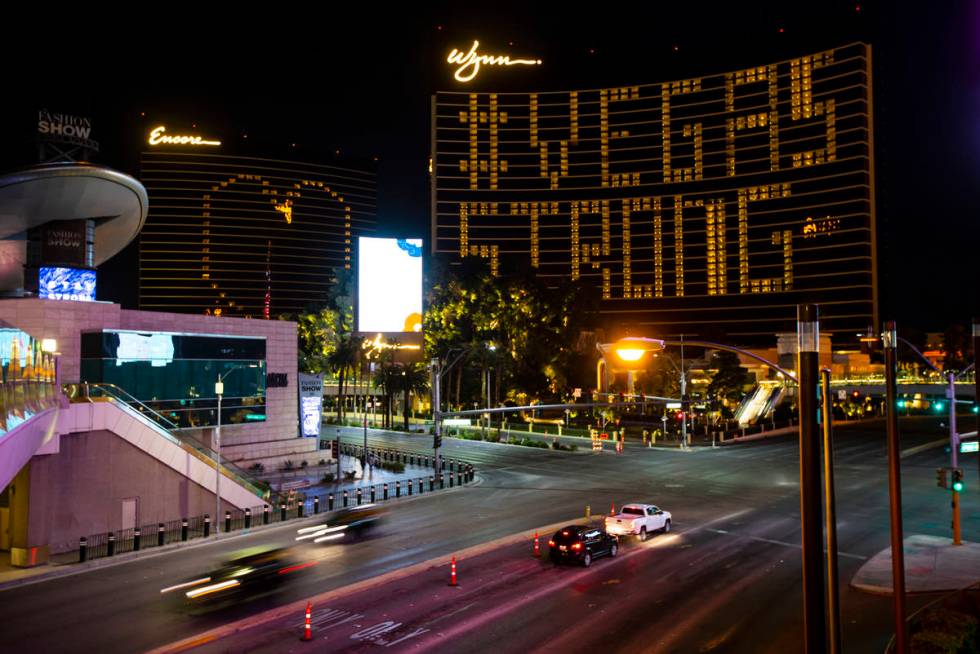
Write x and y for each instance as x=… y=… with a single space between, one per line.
x=161 y=534
x=450 y=478
x=398 y=488
x=82 y=549
x=136 y=539
x=358 y=497
x=282 y=512
x=385 y=489
x=442 y=480
x=432 y=483
x=330 y=502
x=459 y=477
x=421 y=485
x=409 y=487
x=316 y=505
x=346 y=498
x=265 y=514
x=110 y=547
x=300 y=508
x=373 y=493
x=227 y=521
x=207 y=525
x=248 y=518
x=443 y=466
x=183 y=529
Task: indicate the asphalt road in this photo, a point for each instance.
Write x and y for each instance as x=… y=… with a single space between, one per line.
x=729 y=581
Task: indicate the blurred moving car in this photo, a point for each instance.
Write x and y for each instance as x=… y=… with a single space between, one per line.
x=581 y=544
x=638 y=520
x=253 y=571
x=349 y=524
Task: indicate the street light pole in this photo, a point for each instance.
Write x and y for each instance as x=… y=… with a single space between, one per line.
x=684 y=402
x=830 y=506
x=889 y=339
x=814 y=610
x=219 y=388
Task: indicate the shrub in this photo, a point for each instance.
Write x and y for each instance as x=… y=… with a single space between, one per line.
x=943 y=630
x=322 y=462
x=349 y=475
x=304 y=463
x=393 y=466
x=328 y=478
x=256 y=468
x=288 y=464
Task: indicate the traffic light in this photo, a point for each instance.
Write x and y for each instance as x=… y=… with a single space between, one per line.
x=939 y=406
x=334 y=448
x=436 y=441
x=901 y=404
x=941 y=477
x=680 y=415
x=957 y=480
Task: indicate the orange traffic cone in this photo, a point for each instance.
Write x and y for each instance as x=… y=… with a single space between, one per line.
x=537 y=551
x=612 y=511
x=452 y=572
x=308 y=629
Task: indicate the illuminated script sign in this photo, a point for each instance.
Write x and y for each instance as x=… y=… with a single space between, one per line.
x=158 y=137
x=469 y=63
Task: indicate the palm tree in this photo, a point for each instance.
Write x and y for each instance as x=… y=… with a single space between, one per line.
x=414 y=379
x=341 y=361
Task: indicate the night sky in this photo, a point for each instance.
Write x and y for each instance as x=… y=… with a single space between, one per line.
x=360 y=81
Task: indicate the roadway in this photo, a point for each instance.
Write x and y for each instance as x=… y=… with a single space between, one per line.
x=729 y=581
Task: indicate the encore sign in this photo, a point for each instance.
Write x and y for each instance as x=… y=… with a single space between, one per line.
x=470 y=62
x=157 y=137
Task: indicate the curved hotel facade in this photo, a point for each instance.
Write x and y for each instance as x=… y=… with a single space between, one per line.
x=716 y=202
x=245 y=236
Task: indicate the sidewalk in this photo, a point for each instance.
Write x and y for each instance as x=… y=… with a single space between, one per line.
x=932 y=564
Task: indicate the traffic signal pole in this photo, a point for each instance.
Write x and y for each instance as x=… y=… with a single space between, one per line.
x=976 y=383
x=954 y=446
x=436 y=413
x=889 y=338
x=814 y=609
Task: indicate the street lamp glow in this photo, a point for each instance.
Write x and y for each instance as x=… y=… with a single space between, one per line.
x=627 y=354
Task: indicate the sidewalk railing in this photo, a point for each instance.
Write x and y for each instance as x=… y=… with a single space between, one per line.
x=299 y=505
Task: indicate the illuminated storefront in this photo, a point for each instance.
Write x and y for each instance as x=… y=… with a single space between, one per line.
x=715 y=202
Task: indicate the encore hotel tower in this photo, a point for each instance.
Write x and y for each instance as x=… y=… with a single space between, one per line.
x=716 y=202
x=245 y=236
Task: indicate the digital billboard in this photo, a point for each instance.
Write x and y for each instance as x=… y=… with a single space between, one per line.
x=719 y=201
x=389 y=285
x=66 y=284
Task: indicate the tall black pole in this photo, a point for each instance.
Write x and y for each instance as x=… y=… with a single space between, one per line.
x=889 y=338
x=830 y=513
x=976 y=378
x=814 y=610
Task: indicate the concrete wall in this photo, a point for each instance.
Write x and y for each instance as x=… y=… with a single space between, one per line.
x=80 y=490
x=65 y=321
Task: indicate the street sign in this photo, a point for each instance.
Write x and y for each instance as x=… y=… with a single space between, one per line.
x=673 y=405
x=842 y=394
x=969 y=446
x=577 y=393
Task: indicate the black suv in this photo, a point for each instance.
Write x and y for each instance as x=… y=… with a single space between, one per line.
x=578 y=543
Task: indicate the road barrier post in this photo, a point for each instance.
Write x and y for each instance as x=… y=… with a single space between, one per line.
x=207 y=525
x=358 y=497
x=82 y=549
x=161 y=534
x=316 y=505
x=330 y=502
x=265 y=514
x=398 y=488
x=110 y=548
x=384 y=490
x=308 y=626
x=442 y=480
x=346 y=498
x=373 y=493
x=227 y=521
x=432 y=483
x=282 y=512
x=421 y=485
x=450 y=477
x=537 y=551
x=300 y=508
x=452 y=572
x=409 y=487
x=248 y=518
x=183 y=529
x=136 y=539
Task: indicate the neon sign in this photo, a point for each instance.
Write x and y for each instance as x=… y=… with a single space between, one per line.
x=470 y=62
x=157 y=137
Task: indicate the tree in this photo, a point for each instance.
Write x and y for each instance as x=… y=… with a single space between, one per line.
x=340 y=362
x=414 y=379
x=319 y=335
x=729 y=378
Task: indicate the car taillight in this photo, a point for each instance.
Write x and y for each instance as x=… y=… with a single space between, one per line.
x=577 y=546
x=551 y=543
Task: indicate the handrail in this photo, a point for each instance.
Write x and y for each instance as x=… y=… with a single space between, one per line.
x=192 y=446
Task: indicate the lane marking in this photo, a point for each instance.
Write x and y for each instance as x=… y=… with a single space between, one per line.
x=782 y=543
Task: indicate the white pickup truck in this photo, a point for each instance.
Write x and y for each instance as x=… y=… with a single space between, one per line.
x=638 y=520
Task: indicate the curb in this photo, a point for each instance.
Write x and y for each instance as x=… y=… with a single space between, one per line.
x=296 y=607
x=922 y=448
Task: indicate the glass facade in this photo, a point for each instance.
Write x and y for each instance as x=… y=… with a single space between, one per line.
x=175 y=374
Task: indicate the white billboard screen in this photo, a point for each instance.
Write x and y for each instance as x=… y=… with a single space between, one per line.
x=389 y=285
